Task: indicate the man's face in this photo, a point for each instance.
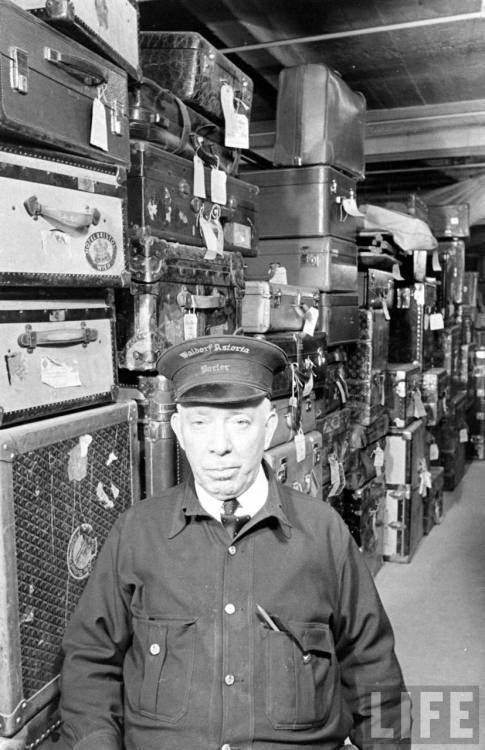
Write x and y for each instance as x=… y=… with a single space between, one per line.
x=224 y=445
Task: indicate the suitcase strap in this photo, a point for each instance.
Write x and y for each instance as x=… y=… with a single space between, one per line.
x=149 y=115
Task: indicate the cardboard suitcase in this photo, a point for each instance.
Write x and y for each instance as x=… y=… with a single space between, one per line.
x=405 y=456
x=376 y=289
x=452 y=220
x=319 y=120
x=58 y=355
x=299 y=463
x=307 y=368
x=363 y=511
x=339 y=317
x=293 y=418
x=434 y=393
x=64 y=481
x=305 y=202
x=416 y=325
x=109 y=28
x=267 y=306
x=158 y=115
x=330 y=263
x=162 y=202
x=57 y=93
x=194 y=297
x=402 y=522
x=63 y=220
x=433 y=502
x=191 y=67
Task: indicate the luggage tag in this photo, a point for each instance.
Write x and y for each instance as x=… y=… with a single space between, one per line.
x=334 y=475
x=419 y=410
x=311 y=320
x=350 y=206
x=218 y=185
x=300 y=446
x=396 y=272
x=435 y=261
x=419 y=294
x=277 y=274
x=436 y=321
x=378 y=460
x=463 y=435
x=425 y=479
x=385 y=309
x=190 y=325
x=236 y=124
x=213 y=236
x=434 y=452
x=199 y=178
x=99 y=126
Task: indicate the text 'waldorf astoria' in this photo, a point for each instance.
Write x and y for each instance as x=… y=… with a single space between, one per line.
x=214 y=348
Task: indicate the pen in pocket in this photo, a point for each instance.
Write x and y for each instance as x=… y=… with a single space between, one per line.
x=267 y=618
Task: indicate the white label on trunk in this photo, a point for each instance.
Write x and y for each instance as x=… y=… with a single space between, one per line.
x=300 y=446
x=58 y=374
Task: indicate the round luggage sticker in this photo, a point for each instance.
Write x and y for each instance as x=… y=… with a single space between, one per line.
x=81 y=551
x=100 y=250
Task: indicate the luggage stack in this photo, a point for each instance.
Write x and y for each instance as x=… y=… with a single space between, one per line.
x=306 y=267
x=69 y=447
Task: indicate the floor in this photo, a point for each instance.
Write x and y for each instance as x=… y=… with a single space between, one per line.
x=436 y=604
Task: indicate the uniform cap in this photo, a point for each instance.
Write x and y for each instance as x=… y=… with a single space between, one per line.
x=222 y=369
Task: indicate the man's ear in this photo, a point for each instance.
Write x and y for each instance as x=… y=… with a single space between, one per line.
x=176 y=427
x=270 y=427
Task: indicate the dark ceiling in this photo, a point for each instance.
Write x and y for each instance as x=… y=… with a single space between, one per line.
x=419 y=63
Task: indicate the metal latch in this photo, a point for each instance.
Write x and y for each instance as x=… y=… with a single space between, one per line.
x=19 y=70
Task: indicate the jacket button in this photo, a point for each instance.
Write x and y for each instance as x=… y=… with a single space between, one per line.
x=229 y=609
x=232 y=550
x=307 y=658
x=226 y=747
x=229 y=679
x=154 y=649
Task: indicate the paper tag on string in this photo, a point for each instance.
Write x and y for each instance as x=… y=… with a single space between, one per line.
x=99 y=126
x=211 y=239
x=436 y=321
x=236 y=124
x=385 y=309
x=434 y=452
x=199 y=177
x=218 y=186
x=463 y=435
x=396 y=272
x=419 y=294
x=435 y=261
x=378 y=457
x=311 y=320
x=190 y=325
x=300 y=446
x=277 y=274
x=351 y=207
x=308 y=387
x=419 y=410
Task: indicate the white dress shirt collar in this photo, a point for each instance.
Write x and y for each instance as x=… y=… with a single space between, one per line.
x=250 y=501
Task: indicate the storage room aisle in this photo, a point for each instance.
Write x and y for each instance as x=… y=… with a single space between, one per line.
x=437 y=607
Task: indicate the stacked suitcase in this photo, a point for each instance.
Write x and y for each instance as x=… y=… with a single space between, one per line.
x=70 y=451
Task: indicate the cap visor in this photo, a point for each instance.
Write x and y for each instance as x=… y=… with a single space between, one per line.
x=220 y=394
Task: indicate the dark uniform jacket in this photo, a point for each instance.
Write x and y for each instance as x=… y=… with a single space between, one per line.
x=166 y=651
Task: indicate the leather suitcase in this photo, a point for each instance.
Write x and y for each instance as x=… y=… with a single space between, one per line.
x=435 y=393
x=405 y=455
x=158 y=115
x=450 y=220
x=64 y=482
x=299 y=465
x=339 y=317
x=305 y=202
x=188 y=65
x=403 y=523
x=335 y=392
x=335 y=431
x=403 y=394
x=362 y=511
x=58 y=355
x=57 y=93
x=319 y=120
x=277 y=307
x=411 y=337
x=161 y=202
x=293 y=417
x=195 y=297
x=330 y=263
x=433 y=502
x=63 y=220
x=110 y=28
x=376 y=288
x=307 y=367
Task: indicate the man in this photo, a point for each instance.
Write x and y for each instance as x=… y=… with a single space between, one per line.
x=201 y=630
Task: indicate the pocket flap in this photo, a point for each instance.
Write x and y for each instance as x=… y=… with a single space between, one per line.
x=313 y=636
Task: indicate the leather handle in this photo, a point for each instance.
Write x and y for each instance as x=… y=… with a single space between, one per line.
x=78 y=220
x=200 y=301
x=78 y=67
x=58 y=337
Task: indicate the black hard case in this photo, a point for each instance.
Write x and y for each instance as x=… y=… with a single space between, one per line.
x=339 y=316
x=411 y=338
x=63 y=219
x=150 y=316
x=304 y=475
x=304 y=202
x=376 y=288
x=48 y=83
x=188 y=65
x=161 y=201
x=63 y=482
x=362 y=510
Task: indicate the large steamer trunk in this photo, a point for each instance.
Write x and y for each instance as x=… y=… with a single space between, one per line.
x=63 y=482
x=55 y=92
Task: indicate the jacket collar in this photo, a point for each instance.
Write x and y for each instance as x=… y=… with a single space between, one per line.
x=188 y=505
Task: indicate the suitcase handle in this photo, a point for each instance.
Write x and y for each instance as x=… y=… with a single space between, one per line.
x=57 y=337
x=84 y=70
x=200 y=301
x=77 y=220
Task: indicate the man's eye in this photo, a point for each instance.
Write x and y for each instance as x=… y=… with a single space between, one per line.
x=243 y=422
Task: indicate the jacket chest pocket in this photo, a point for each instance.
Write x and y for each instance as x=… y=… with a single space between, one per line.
x=300 y=675
x=164 y=653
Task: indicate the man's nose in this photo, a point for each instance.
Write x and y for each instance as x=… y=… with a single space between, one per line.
x=219 y=440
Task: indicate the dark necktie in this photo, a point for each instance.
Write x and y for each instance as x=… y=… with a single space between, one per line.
x=229 y=520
